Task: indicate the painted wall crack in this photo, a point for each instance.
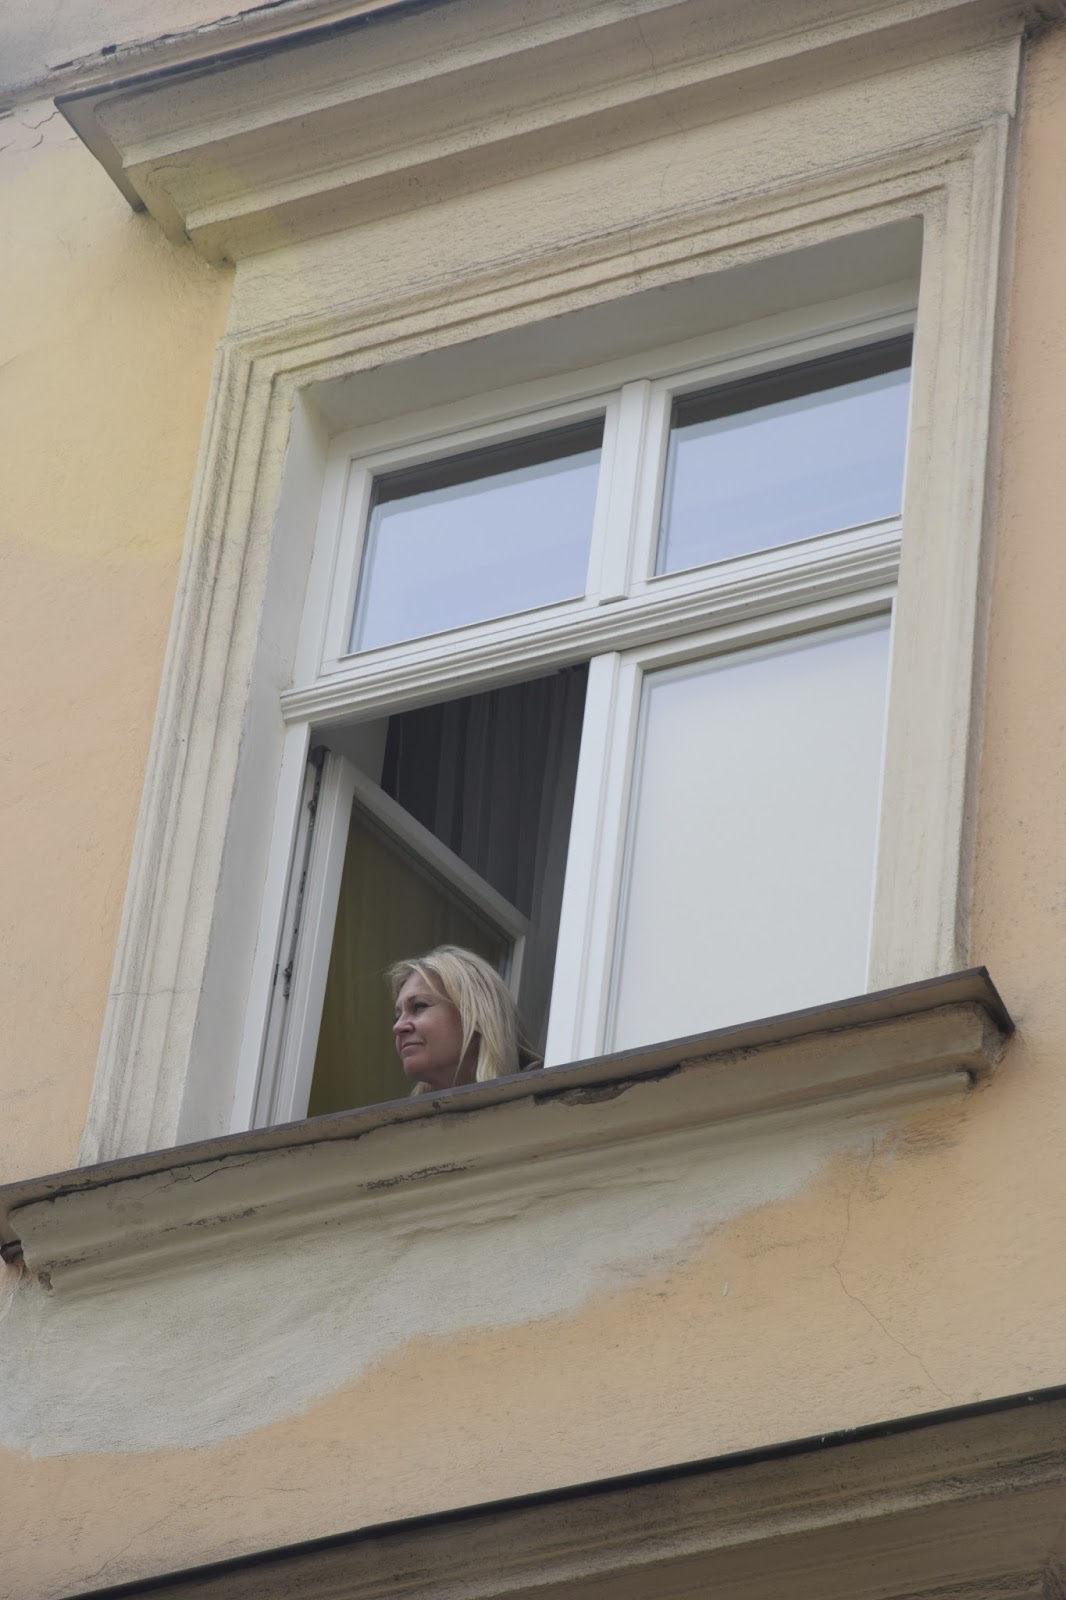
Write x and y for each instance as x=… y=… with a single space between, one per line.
x=113 y=1561
x=863 y=1183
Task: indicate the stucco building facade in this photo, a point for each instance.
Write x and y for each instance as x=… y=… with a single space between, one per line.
x=743 y=1288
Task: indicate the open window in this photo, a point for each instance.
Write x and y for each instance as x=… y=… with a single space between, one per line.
x=675 y=827
x=448 y=824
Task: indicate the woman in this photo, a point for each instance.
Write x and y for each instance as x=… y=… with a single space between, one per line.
x=455 y=1020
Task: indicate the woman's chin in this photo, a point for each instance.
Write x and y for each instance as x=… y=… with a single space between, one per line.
x=421 y=1077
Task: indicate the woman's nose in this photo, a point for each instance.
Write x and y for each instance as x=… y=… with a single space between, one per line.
x=401 y=1024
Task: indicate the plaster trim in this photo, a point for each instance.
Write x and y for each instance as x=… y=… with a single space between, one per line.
x=541 y=1132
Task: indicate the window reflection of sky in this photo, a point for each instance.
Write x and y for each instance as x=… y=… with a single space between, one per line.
x=786 y=471
x=451 y=556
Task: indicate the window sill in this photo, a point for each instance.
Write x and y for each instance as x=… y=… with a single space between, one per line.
x=529 y=1132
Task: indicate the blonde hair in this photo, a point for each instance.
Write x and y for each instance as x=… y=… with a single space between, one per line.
x=482 y=999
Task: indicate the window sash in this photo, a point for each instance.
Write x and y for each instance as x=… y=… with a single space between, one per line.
x=839 y=416
x=314 y=889
x=629 y=621
x=750 y=834
x=345 y=540
x=463 y=539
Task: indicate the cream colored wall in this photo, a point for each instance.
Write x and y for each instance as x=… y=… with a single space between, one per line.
x=109 y=335
x=912 y=1264
x=1020 y=884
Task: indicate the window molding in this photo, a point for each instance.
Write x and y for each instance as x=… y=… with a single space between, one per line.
x=187 y=956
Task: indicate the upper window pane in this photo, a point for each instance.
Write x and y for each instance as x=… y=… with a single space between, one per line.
x=479 y=535
x=771 y=460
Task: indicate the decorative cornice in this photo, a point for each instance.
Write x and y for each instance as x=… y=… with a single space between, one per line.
x=470 y=1147
x=315 y=129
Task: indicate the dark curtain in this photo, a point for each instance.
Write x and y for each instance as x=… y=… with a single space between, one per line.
x=493 y=777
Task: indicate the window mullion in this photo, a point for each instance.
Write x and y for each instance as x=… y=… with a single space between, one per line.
x=647 y=489
x=350 y=521
x=611 y=558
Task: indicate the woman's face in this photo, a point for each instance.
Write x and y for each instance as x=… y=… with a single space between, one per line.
x=429 y=1037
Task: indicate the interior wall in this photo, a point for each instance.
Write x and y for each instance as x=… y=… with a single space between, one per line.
x=108 y=338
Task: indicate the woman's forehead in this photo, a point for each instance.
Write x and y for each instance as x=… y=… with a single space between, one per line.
x=415 y=986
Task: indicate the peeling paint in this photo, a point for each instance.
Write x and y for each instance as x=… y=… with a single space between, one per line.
x=413 y=1177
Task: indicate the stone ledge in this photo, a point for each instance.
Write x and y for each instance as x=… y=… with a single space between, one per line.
x=459 y=1152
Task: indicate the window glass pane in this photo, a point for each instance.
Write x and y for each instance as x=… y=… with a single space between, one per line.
x=787 y=456
x=752 y=835
x=477 y=536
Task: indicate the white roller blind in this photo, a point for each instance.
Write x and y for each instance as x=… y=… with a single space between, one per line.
x=752 y=835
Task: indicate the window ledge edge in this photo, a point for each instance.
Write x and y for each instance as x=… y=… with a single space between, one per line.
x=148 y=1211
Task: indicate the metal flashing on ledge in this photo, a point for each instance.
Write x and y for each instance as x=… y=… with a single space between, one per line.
x=943 y=1033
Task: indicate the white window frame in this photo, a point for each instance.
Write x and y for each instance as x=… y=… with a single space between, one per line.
x=207 y=881
x=344 y=547
x=788 y=590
